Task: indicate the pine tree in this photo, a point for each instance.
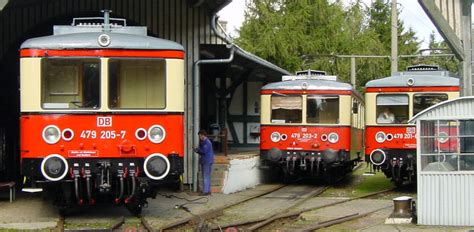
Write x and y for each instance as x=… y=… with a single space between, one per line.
x=303 y=34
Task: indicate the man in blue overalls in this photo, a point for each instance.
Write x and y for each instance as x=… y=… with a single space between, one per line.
x=206 y=160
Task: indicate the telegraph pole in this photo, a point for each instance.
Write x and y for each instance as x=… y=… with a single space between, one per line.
x=394 y=56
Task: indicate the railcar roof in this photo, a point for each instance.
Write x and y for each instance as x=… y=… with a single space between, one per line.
x=311 y=85
x=89 y=40
x=434 y=78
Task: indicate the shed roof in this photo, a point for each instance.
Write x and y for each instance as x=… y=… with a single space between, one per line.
x=458 y=108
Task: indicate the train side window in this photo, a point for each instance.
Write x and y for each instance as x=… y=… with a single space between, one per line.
x=322 y=109
x=392 y=109
x=425 y=100
x=286 y=109
x=70 y=83
x=137 y=84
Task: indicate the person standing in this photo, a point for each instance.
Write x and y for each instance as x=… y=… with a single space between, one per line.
x=206 y=159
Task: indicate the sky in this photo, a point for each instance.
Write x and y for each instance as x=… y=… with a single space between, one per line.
x=411 y=14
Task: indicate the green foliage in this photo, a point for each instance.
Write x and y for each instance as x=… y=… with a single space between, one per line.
x=437 y=48
x=303 y=34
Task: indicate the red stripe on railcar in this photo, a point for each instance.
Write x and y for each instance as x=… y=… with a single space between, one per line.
x=103 y=53
x=305 y=137
x=93 y=139
x=338 y=92
x=412 y=89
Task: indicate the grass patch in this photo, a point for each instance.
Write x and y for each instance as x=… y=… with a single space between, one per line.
x=82 y=226
x=356 y=184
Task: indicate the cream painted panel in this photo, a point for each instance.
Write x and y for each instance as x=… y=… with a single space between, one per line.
x=370 y=109
x=265 y=114
x=345 y=106
x=452 y=95
x=104 y=83
x=30 y=73
x=175 y=84
x=305 y=110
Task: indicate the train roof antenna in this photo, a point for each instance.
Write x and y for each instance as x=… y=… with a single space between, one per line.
x=106 y=20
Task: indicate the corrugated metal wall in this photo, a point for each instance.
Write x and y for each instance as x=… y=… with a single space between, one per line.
x=446 y=199
x=169 y=19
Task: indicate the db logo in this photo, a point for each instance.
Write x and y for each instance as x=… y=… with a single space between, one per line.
x=411 y=130
x=104 y=121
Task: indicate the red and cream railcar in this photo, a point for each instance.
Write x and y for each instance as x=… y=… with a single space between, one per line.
x=311 y=126
x=390 y=144
x=101 y=114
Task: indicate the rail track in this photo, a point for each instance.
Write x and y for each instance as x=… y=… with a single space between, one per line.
x=115 y=226
x=213 y=221
x=286 y=197
x=288 y=200
x=317 y=225
x=118 y=224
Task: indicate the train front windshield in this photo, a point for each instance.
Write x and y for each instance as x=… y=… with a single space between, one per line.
x=137 y=84
x=322 y=109
x=70 y=83
x=287 y=109
x=392 y=109
x=423 y=101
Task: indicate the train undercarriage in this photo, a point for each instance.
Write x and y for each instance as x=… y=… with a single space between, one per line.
x=328 y=165
x=397 y=165
x=85 y=182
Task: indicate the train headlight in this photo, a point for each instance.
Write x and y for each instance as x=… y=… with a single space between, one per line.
x=275 y=137
x=443 y=137
x=380 y=137
x=156 y=133
x=54 y=167
x=156 y=166
x=104 y=40
x=333 y=137
x=378 y=157
x=51 y=134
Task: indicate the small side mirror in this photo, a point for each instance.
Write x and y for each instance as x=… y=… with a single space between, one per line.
x=355 y=108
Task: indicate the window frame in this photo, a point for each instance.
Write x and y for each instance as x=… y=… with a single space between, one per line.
x=391 y=94
x=77 y=88
x=291 y=95
x=324 y=96
x=420 y=94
